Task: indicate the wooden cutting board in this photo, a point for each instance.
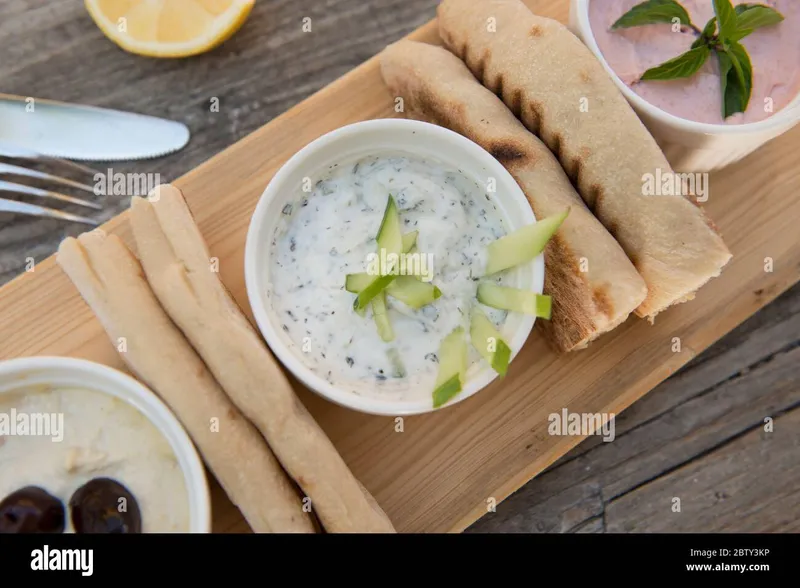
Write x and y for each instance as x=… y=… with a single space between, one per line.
x=442 y=471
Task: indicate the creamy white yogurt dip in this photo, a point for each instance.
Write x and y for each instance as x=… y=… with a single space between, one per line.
x=102 y=437
x=330 y=232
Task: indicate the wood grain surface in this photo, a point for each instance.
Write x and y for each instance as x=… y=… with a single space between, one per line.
x=444 y=470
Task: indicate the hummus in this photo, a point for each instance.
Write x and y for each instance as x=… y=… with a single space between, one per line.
x=774 y=52
x=60 y=439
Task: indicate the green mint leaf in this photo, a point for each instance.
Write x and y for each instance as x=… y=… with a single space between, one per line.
x=726 y=18
x=744 y=70
x=711 y=28
x=651 y=12
x=708 y=33
x=740 y=8
x=682 y=66
x=736 y=74
x=753 y=16
x=731 y=96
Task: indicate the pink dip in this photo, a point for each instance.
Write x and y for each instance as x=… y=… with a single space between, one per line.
x=774 y=52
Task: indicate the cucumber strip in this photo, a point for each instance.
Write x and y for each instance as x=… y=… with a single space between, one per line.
x=397 y=363
x=523 y=244
x=452 y=367
x=489 y=342
x=381 y=317
x=446 y=391
x=370 y=292
x=356 y=282
x=413 y=292
x=409 y=241
x=390 y=236
x=516 y=300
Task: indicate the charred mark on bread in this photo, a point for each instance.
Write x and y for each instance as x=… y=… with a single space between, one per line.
x=556 y=144
x=595 y=202
x=443 y=114
x=462 y=53
x=563 y=280
x=508 y=152
x=515 y=102
x=498 y=85
x=576 y=168
x=480 y=69
x=534 y=119
x=603 y=301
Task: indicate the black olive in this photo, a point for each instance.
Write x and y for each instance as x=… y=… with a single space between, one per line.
x=31 y=510
x=97 y=507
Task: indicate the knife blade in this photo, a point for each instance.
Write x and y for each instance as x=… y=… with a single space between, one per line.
x=86 y=133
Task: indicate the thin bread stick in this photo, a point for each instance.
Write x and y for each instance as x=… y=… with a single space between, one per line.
x=561 y=92
x=112 y=283
x=593 y=284
x=178 y=267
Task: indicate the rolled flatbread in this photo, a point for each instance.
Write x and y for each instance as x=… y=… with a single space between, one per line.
x=179 y=269
x=112 y=283
x=593 y=284
x=560 y=91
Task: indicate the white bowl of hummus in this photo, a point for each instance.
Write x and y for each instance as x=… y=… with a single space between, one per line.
x=316 y=223
x=684 y=116
x=85 y=448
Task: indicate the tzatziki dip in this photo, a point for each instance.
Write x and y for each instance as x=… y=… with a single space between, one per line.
x=328 y=231
x=73 y=457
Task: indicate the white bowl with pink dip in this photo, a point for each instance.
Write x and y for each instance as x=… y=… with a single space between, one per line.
x=690 y=146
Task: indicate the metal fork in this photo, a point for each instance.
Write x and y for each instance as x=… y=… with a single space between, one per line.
x=17 y=153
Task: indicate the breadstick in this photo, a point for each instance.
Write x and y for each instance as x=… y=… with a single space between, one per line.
x=562 y=93
x=593 y=284
x=178 y=267
x=112 y=283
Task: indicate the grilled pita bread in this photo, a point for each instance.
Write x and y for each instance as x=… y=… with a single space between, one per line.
x=175 y=259
x=562 y=93
x=593 y=284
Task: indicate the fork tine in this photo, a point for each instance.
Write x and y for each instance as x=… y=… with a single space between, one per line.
x=34 y=210
x=16 y=170
x=31 y=191
x=9 y=150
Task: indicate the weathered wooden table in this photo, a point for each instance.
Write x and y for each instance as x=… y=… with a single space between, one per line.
x=699 y=437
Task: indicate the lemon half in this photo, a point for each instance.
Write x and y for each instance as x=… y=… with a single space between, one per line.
x=169 y=28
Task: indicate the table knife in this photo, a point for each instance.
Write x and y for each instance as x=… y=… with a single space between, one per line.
x=86 y=133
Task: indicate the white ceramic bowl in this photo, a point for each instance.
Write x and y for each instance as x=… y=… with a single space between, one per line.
x=358 y=140
x=17 y=374
x=690 y=146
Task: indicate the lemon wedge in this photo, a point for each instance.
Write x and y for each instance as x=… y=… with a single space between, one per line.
x=169 y=28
